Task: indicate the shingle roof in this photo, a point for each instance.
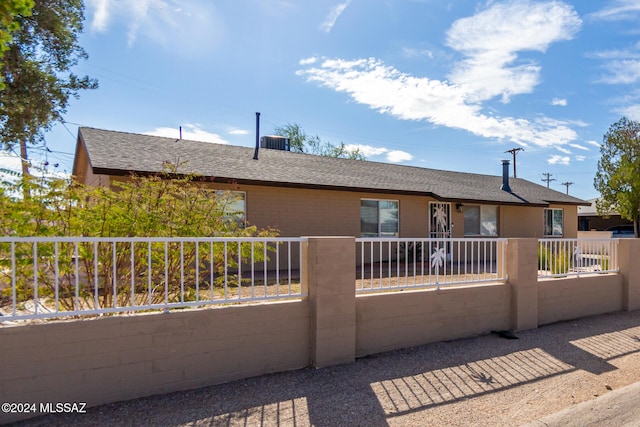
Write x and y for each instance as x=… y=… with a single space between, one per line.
x=114 y=153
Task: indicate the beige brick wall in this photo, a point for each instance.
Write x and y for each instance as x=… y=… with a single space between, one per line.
x=572 y=297
x=303 y=212
x=123 y=357
x=397 y=320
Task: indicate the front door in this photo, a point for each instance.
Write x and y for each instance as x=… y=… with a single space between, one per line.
x=439 y=220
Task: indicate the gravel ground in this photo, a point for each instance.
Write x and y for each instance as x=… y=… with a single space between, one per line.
x=483 y=381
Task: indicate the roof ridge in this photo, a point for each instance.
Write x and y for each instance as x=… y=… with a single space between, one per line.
x=324 y=158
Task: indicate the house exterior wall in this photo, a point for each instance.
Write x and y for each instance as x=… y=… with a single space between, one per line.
x=521 y=221
x=84 y=172
x=306 y=212
x=570 y=220
x=312 y=212
x=528 y=221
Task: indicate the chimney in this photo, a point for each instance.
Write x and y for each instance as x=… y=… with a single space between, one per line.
x=505 y=176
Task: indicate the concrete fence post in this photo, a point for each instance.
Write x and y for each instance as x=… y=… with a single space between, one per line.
x=628 y=251
x=522 y=274
x=329 y=276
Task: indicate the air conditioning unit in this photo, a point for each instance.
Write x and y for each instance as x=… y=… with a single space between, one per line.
x=275 y=142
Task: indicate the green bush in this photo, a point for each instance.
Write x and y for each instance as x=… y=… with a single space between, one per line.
x=164 y=205
x=557 y=262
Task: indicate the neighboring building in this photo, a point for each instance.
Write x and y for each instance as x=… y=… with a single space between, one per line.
x=307 y=195
x=590 y=220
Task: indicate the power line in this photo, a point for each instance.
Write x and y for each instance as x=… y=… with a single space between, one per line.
x=547 y=178
x=514 y=151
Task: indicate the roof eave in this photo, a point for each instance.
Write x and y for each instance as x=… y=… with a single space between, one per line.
x=232 y=180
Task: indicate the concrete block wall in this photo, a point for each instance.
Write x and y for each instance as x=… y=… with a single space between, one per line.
x=398 y=320
x=123 y=357
x=571 y=297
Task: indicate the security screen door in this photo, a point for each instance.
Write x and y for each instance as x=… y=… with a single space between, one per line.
x=439 y=220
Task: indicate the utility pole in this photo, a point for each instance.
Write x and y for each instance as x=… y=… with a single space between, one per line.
x=547 y=178
x=514 y=151
x=567 y=184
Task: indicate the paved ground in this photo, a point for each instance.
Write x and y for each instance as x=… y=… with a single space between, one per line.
x=540 y=378
x=616 y=409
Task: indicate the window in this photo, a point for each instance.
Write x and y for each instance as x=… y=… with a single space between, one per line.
x=378 y=218
x=553 y=222
x=480 y=220
x=233 y=205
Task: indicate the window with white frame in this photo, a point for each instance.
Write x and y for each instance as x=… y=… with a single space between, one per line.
x=233 y=205
x=379 y=218
x=553 y=222
x=480 y=220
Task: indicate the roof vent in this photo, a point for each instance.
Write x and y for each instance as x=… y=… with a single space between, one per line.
x=275 y=142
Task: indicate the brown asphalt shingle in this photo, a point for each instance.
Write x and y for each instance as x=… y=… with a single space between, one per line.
x=113 y=152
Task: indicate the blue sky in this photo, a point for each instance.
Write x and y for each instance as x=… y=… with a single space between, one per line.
x=438 y=84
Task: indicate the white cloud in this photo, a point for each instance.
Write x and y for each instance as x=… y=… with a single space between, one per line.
x=334 y=14
x=398 y=156
x=308 y=61
x=579 y=147
x=387 y=90
x=623 y=71
x=618 y=10
x=101 y=14
x=176 y=25
x=490 y=42
x=492 y=38
x=558 y=160
x=238 y=132
x=392 y=156
x=563 y=150
x=631 y=111
x=367 y=150
x=594 y=143
x=579 y=158
x=409 y=52
x=559 y=102
x=189 y=132
x=622 y=66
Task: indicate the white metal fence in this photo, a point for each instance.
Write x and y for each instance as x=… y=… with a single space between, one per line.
x=573 y=257
x=42 y=277
x=388 y=264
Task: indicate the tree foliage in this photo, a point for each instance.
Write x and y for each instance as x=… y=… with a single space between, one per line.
x=9 y=11
x=163 y=205
x=139 y=207
x=36 y=70
x=300 y=142
x=618 y=175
